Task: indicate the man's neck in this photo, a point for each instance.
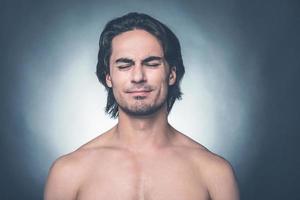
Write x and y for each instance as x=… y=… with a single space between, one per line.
x=143 y=133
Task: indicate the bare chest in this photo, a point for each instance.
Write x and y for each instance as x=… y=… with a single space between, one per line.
x=148 y=179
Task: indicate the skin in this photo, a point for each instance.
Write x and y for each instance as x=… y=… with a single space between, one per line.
x=142 y=157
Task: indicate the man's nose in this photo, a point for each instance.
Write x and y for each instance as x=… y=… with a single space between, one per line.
x=138 y=74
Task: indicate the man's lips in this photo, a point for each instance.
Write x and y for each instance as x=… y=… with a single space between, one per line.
x=140 y=92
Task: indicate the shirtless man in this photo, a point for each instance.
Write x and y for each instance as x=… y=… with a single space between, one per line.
x=142 y=157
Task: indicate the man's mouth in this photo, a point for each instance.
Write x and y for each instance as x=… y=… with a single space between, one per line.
x=140 y=92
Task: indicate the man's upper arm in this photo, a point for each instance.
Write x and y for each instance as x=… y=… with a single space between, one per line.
x=62 y=181
x=221 y=180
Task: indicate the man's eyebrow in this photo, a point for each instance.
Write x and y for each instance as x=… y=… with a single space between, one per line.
x=151 y=58
x=124 y=60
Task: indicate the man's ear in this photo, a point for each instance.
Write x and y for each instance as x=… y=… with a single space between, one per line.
x=172 y=76
x=108 y=80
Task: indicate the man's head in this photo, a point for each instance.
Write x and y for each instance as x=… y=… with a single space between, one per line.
x=139 y=53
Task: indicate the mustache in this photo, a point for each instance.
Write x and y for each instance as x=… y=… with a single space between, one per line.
x=140 y=88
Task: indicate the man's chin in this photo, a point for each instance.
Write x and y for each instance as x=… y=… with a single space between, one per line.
x=140 y=112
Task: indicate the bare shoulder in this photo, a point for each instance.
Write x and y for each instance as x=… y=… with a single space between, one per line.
x=206 y=159
x=215 y=171
x=64 y=177
x=213 y=167
x=75 y=161
x=68 y=171
x=218 y=175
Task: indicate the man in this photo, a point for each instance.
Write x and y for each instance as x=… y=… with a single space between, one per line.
x=142 y=157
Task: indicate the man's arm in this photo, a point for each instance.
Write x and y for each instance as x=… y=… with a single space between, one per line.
x=62 y=182
x=221 y=180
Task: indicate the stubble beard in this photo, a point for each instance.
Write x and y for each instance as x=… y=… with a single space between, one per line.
x=141 y=108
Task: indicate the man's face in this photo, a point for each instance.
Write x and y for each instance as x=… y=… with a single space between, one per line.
x=139 y=74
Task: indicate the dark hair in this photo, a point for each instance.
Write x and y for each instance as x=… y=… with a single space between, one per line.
x=168 y=40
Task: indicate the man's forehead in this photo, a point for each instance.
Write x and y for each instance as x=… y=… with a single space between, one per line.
x=136 y=34
x=136 y=43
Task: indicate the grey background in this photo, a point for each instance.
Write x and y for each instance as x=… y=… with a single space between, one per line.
x=242 y=62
